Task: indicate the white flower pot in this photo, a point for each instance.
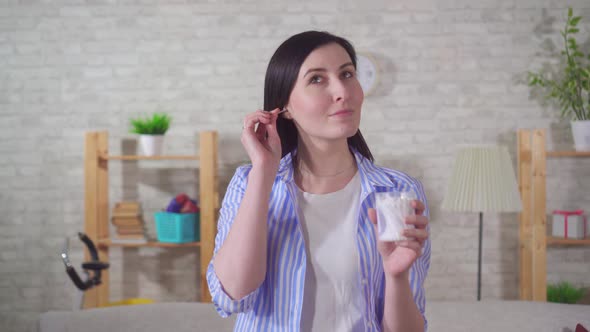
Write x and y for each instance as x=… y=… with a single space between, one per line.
x=581 y=133
x=151 y=145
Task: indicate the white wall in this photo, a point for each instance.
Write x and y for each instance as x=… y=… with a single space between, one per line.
x=449 y=75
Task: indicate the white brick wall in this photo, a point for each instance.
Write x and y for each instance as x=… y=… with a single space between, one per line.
x=449 y=71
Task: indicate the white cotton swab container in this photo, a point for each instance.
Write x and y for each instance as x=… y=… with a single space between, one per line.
x=392 y=210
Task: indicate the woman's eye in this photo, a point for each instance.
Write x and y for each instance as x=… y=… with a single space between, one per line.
x=315 y=79
x=347 y=74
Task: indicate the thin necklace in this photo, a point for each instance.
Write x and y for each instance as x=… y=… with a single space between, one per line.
x=301 y=168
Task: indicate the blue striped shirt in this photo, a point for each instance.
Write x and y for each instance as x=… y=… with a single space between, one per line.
x=276 y=304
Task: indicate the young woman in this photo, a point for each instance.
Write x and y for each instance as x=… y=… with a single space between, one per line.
x=296 y=248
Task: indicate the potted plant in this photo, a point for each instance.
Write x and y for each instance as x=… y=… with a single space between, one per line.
x=151 y=132
x=565 y=292
x=571 y=87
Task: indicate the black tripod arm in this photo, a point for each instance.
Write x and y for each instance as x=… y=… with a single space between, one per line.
x=76 y=279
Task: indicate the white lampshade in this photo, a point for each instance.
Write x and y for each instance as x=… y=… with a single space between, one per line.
x=483 y=181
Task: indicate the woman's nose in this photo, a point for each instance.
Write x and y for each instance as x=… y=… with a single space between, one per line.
x=340 y=90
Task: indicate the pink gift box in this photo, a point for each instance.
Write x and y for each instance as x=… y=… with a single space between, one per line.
x=569 y=224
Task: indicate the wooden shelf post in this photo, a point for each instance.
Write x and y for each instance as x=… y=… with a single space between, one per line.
x=525 y=229
x=539 y=214
x=532 y=237
x=209 y=204
x=96 y=200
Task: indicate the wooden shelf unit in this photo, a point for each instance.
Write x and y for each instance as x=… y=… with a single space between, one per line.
x=533 y=239
x=96 y=209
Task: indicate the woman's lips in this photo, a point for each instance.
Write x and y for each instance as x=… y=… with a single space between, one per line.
x=341 y=113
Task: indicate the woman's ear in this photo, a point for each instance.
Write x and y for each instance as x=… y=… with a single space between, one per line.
x=287 y=114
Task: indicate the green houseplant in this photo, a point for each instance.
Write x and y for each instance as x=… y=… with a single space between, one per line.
x=151 y=132
x=571 y=87
x=564 y=292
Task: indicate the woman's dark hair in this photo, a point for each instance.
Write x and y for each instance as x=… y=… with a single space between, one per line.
x=281 y=75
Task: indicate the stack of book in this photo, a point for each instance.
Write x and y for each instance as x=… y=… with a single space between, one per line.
x=128 y=221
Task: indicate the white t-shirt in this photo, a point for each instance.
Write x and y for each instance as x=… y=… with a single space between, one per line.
x=332 y=300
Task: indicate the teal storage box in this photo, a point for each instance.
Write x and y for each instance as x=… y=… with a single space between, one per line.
x=177 y=227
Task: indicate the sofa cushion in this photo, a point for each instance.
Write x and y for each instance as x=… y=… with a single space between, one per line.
x=159 y=317
x=494 y=316
x=484 y=316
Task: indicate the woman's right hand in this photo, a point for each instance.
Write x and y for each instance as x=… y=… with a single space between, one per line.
x=262 y=144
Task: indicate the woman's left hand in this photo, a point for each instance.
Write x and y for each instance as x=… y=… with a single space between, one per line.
x=399 y=256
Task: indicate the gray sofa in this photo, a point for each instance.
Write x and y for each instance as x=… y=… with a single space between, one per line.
x=482 y=316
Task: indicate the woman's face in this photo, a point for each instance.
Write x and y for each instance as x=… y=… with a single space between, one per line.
x=327 y=98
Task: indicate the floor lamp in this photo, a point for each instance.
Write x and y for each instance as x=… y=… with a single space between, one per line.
x=482 y=181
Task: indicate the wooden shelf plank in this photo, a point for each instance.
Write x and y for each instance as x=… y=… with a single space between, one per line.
x=557 y=241
x=562 y=154
x=129 y=157
x=109 y=243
